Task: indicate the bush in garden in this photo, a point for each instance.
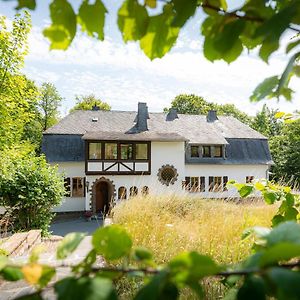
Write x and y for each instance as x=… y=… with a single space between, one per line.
x=29 y=189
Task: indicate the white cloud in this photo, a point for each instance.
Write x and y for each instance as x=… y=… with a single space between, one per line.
x=123 y=75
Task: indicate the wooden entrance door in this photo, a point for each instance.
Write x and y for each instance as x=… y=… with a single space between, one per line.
x=102 y=197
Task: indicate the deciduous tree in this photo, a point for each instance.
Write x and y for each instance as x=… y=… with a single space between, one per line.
x=88 y=102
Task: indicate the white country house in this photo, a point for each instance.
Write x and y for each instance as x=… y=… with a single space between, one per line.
x=111 y=155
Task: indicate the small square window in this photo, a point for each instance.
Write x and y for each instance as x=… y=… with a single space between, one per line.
x=206 y=151
x=218 y=151
x=194 y=151
x=78 y=187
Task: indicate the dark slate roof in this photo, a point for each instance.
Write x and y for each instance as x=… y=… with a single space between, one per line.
x=194 y=128
x=141 y=136
x=240 y=151
x=63 y=147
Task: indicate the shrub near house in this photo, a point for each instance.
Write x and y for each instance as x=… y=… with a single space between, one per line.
x=29 y=189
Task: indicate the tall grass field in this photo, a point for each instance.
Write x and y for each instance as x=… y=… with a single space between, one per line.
x=170 y=224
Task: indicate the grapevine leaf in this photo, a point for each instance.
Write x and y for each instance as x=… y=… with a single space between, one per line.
x=184 y=10
x=270 y=197
x=246 y=190
x=96 y=288
x=12 y=273
x=142 y=253
x=292 y=45
x=284 y=232
x=150 y=3
x=63 y=28
x=30 y=4
x=160 y=36
x=264 y=89
x=253 y=288
x=91 y=17
x=159 y=287
x=191 y=267
x=69 y=243
x=133 y=20
x=286 y=282
x=112 y=242
x=279 y=252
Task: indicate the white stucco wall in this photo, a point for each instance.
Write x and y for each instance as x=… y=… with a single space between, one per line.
x=235 y=172
x=71 y=169
x=162 y=153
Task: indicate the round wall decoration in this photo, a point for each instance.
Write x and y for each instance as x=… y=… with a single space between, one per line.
x=167 y=174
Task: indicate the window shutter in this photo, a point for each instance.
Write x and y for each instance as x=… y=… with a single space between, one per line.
x=202 y=184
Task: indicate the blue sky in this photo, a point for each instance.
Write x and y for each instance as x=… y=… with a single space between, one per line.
x=122 y=75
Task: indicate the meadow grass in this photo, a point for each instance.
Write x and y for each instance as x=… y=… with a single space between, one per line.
x=170 y=224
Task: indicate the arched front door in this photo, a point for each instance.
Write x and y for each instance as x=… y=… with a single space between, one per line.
x=102 y=194
x=102 y=197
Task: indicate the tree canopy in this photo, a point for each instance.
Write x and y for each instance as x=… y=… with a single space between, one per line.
x=156 y=25
x=192 y=104
x=87 y=102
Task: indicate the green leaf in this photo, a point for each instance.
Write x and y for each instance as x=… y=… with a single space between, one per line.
x=270 y=197
x=112 y=242
x=227 y=41
x=264 y=89
x=30 y=4
x=284 y=232
x=150 y=3
x=285 y=77
x=259 y=232
x=47 y=274
x=272 y=29
x=286 y=283
x=63 y=28
x=12 y=273
x=253 y=288
x=246 y=190
x=133 y=20
x=31 y=297
x=142 y=253
x=277 y=219
x=279 y=252
x=91 y=17
x=160 y=36
x=183 y=11
x=3 y=261
x=86 y=288
x=69 y=243
x=279 y=115
x=158 y=288
x=191 y=267
x=292 y=45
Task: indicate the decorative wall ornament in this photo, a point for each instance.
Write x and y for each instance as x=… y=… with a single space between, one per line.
x=167 y=174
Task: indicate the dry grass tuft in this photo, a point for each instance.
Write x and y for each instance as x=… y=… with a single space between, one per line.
x=170 y=224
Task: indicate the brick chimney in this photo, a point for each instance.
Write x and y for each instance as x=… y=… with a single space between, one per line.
x=212 y=116
x=172 y=114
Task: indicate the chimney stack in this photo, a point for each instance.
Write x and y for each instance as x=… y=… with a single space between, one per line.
x=142 y=117
x=95 y=107
x=172 y=114
x=212 y=116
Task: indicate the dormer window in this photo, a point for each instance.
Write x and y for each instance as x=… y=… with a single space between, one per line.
x=206 y=151
x=218 y=151
x=194 y=151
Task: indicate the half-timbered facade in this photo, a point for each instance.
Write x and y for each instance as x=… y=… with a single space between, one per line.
x=111 y=155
